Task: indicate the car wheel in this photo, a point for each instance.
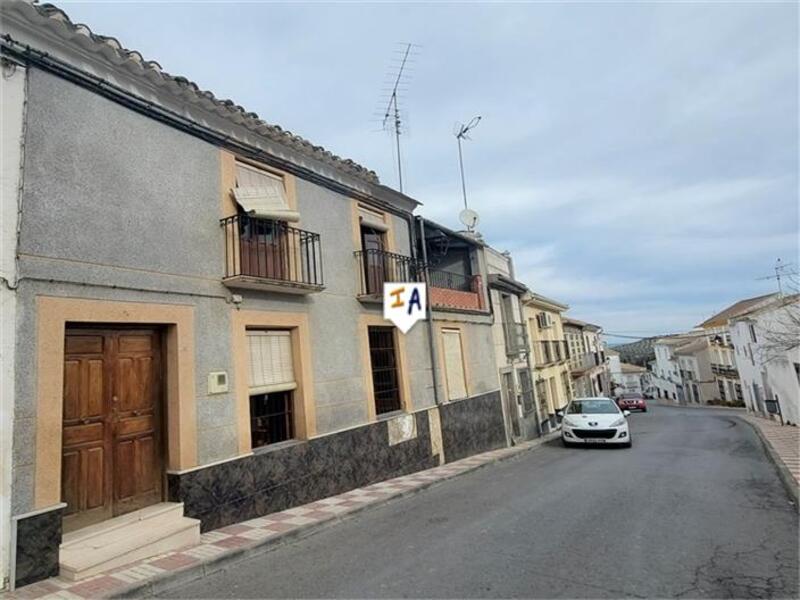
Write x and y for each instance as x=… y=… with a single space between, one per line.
x=566 y=443
x=644 y=410
x=628 y=444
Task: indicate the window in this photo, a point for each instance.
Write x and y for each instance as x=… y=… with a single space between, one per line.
x=271 y=418
x=385 y=372
x=721 y=386
x=797 y=371
x=262 y=194
x=544 y=320
x=739 y=395
x=593 y=407
x=753 y=333
x=548 y=352
x=454 y=364
x=271 y=384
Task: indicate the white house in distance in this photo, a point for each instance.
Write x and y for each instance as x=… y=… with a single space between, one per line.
x=666 y=373
x=767 y=353
x=625 y=377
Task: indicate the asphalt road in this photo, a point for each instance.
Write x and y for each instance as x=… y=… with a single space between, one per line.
x=695 y=509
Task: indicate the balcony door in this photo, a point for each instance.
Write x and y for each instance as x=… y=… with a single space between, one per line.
x=373 y=243
x=264 y=249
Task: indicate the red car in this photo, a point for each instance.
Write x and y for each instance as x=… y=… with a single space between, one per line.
x=632 y=402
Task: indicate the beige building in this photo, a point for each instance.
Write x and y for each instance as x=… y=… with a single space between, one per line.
x=550 y=355
x=587 y=359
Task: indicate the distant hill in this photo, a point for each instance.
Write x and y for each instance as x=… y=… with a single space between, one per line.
x=637 y=353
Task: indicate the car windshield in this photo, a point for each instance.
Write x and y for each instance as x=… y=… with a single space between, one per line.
x=631 y=396
x=598 y=406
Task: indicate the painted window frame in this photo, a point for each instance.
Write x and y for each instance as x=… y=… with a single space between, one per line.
x=406 y=402
x=304 y=409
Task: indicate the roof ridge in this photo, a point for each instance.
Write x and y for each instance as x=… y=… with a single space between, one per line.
x=153 y=72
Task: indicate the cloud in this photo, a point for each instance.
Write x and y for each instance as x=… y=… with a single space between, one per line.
x=639 y=160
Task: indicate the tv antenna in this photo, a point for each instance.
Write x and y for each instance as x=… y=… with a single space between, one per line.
x=780 y=271
x=461 y=130
x=397 y=79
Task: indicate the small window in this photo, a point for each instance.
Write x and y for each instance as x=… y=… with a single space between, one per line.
x=385 y=372
x=271 y=385
x=271 y=419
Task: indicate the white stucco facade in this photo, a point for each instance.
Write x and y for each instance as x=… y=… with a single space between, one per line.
x=12 y=100
x=769 y=371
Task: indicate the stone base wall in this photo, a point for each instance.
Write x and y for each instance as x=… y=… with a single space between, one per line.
x=274 y=479
x=37 y=541
x=472 y=426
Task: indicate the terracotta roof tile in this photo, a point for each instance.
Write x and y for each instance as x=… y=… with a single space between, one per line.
x=49 y=15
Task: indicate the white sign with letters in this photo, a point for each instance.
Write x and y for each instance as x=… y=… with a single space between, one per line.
x=404 y=303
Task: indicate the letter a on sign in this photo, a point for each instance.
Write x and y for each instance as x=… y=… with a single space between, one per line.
x=404 y=304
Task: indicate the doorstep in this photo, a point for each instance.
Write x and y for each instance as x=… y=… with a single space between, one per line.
x=222 y=547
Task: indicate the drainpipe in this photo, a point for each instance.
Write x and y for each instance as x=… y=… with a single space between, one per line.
x=429 y=313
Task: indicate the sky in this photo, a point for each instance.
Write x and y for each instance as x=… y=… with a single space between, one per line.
x=639 y=160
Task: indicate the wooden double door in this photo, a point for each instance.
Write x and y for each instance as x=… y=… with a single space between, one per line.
x=112 y=461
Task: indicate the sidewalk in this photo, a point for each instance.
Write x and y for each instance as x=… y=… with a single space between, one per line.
x=783 y=444
x=223 y=547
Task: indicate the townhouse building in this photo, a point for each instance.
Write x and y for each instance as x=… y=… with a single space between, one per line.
x=698 y=380
x=550 y=356
x=625 y=377
x=588 y=367
x=666 y=374
x=191 y=331
x=512 y=347
x=718 y=353
x=767 y=354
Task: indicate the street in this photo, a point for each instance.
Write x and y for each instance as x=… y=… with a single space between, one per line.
x=695 y=509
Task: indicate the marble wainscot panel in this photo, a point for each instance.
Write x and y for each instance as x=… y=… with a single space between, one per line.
x=472 y=426
x=38 y=536
x=292 y=474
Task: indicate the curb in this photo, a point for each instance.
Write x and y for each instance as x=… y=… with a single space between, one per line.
x=786 y=477
x=706 y=406
x=163 y=582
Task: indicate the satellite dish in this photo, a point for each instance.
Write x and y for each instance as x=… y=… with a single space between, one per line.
x=469 y=218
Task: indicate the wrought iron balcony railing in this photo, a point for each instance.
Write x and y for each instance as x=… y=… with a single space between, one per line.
x=455 y=291
x=376 y=267
x=725 y=371
x=451 y=281
x=266 y=254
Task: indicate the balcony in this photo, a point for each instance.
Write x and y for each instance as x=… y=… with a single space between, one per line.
x=725 y=371
x=516 y=338
x=548 y=352
x=376 y=267
x=267 y=255
x=455 y=291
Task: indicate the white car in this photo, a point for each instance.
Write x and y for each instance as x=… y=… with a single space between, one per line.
x=594 y=421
